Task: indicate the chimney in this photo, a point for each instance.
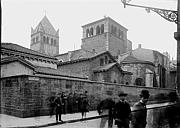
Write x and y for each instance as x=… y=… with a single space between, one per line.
x=139 y=45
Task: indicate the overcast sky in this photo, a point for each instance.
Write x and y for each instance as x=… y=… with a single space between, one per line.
x=148 y=29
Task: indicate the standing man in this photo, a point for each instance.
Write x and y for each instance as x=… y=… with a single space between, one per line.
x=58 y=103
x=63 y=98
x=140 y=111
x=122 y=112
x=106 y=107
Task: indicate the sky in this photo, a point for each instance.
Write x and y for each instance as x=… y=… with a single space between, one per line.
x=148 y=29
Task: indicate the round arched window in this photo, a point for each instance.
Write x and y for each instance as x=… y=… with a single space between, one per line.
x=97 y=30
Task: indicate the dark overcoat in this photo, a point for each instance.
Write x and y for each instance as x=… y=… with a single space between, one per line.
x=139 y=115
x=122 y=113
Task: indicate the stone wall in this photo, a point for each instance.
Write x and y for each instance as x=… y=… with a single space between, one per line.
x=159 y=117
x=11 y=96
x=26 y=96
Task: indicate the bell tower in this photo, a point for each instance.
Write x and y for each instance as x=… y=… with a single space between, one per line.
x=105 y=35
x=44 y=38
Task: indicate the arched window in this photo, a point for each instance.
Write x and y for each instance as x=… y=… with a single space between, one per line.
x=115 y=31
x=101 y=62
x=91 y=32
x=44 y=39
x=51 y=41
x=139 y=82
x=55 y=42
x=47 y=40
x=119 y=33
x=122 y=34
x=37 y=39
x=102 y=28
x=112 y=28
x=106 y=59
x=97 y=30
x=87 y=32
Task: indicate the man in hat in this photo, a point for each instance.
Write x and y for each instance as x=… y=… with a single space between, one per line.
x=139 y=114
x=122 y=112
x=58 y=103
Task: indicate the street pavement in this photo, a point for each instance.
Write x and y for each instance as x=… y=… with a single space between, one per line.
x=70 y=120
x=41 y=121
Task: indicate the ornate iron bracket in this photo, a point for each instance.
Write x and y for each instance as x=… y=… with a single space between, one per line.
x=169 y=15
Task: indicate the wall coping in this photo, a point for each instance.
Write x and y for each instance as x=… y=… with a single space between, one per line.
x=89 y=81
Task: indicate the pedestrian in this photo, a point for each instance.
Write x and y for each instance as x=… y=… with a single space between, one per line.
x=58 y=103
x=172 y=112
x=122 y=111
x=70 y=103
x=84 y=103
x=64 y=100
x=139 y=113
x=75 y=102
x=106 y=107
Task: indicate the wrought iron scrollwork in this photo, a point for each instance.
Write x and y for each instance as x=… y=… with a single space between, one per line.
x=169 y=15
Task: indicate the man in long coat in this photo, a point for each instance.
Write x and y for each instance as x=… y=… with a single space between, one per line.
x=122 y=112
x=139 y=114
x=58 y=103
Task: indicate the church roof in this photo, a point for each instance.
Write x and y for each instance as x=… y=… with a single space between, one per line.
x=46 y=27
x=74 y=55
x=109 y=66
x=131 y=59
x=13 y=59
x=55 y=72
x=105 y=67
x=87 y=59
x=40 y=69
x=17 y=50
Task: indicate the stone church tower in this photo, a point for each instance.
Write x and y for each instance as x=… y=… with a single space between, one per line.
x=105 y=35
x=44 y=38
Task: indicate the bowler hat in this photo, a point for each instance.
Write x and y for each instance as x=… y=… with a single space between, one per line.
x=122 y=94
x=145 y=94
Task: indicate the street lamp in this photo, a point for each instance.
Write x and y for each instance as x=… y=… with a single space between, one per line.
x=172 y=16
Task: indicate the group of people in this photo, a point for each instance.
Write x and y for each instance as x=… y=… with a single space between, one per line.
x=117 y=111
x=120 y=111
x=71 y=103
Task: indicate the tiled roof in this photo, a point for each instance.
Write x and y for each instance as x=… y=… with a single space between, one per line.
x=87 y=59
x=46 y=27
x=12 y=59
x=42 y=70
x=109 y=66
x=131 y=59
x=22 y=51
x=55 y=72
x=74 y=55
x=104 y=68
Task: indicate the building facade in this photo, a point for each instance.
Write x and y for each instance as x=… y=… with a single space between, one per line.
x=100 y=67
x=160 y=61
x=44 y=38
x=143 y=72
x=105 y=35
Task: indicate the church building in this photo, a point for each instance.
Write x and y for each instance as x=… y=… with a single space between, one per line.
x=105 y=35
x=44 y=38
